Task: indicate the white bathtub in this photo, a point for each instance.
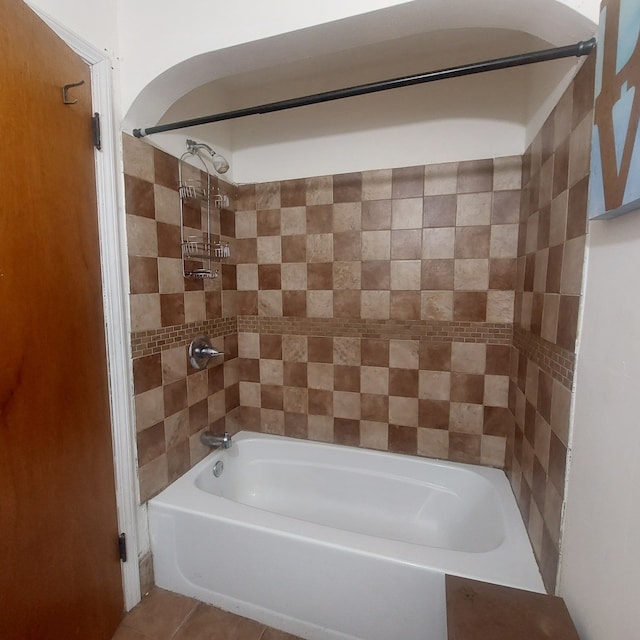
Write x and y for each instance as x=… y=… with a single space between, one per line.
x=330 y=542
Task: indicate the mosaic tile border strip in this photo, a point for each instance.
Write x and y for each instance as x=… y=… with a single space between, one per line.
x=147 y=343
x=556 y=361
x=481 y=332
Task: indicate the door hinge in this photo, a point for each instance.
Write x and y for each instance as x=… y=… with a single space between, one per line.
x=122 y=546
x=95 y=127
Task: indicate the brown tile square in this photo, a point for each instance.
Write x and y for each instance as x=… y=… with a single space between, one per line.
x=376 y=274
x=229 y=276
x=294 y=248
x=557 y=463
x=405 y=305
x=269 y=277
x=271 y=346
x=467 y=387
x=439 y=211
x=151 y=443
x=583 y=89
x=554 y=268
x=497 y=421
x=171 y=309
x=561 y=169
x=403 y=439
x=294 y=304
x=295 y=374
x=271 y=396
x=246 y=197
x=376 y=215
x=347 y=187
x=374 y=407
x=475 y=176
x=346 y=431
x=295 y=426
x=147 y=373
x=246 y=250
x=403 y=382
x=168 y=240
x=465 y=447
x=249 y=372
x=293 y=193
x=231 y=397
x=198 y=416
x=434 y=414
x=375 y=352
x=213 y=304
x=502 y=274
x=568 y=322
x=505 y=207
x=472 y=242
x=407 y=182
x=347 y=245
x=320 y=349
x=268 y=222
x=175 y=397
x=166 y=169
x=227 y=223
x=346 y=378
x=320 y=402
x=406 y=244
x=437 y=275
x=469 y=306
x=435 y=356
x=247 y=303
x=143 y=274
x=319 y=218
x=320 y=275
x=498 y=359
x=139 y=197
x=577 y=209
x=346 y=304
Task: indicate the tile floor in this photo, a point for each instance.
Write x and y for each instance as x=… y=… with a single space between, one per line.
x=163 y=615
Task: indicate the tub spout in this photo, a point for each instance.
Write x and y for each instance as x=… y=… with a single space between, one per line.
x=215 y=440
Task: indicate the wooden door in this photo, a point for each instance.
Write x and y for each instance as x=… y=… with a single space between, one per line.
x=60 y=572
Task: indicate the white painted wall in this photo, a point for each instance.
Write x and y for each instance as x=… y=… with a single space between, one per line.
x=601 y=550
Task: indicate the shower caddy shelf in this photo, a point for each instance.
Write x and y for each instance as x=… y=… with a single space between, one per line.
x=198 y=252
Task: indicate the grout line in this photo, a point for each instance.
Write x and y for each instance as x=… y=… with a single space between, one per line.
x=196 y=604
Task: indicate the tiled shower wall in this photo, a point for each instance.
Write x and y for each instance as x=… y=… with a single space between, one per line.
x=173 y=401
x=550 y=265
x=375 y=309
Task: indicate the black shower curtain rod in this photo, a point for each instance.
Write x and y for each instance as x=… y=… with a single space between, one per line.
x=581 y=48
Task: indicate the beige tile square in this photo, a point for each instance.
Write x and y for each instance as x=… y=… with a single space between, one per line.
x=406 y=213
x=434 y=385
x=468 y=357
x=405 y=274
x=170 y=277
x=433 y=443
x=249 y=345
x=347 y=216
x=540 y=273
x=500 y=306
x=374 y=380
x=403 y=354
x=492 y=451
x=153 y=477
x=504 y=241
x=174 y=364
x=138 y=158
x=375 y=305
x=441 y=179
x=376 y=185
x=293 y=276
x=471 y=275
x=271 y=371
x=496 y=391
x=319 y=190
x=176 y=428
x=376 y=245
x=145 y=311
x=246 y=224
x=293 y=221
x=572 y=266
x=250 y=394
x=247 y=277
x=531 y=242
x=320 y=247
x=295 y=400
x=346 y=351
x=195 y=308
x=403 y=411
x=320 y=428
x=346 y=275
x=269 y=250
x=231 y=368
x=268 y=195
x=507 y=173
x=580 y=150
x=560 y=411
x=436 y=305
x=272 y=421
x=197 y=387
x=216 y=404
x=320 y=304
x=374 y=435
x=465 y=417
x=149 y=408
x=270 y=303
x=294 y=348
x=438 y=243
x=320 y=376
x=558 y=219
x=550 y=313
x=541 y=441
x=473 y=209
x=346 y=404
x=553 y=512
x=167 y=204
x=142 y=237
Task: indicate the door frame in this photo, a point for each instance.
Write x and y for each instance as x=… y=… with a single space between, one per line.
x=115 y=276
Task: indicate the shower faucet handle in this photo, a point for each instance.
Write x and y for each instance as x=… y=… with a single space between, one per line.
x=201 y=351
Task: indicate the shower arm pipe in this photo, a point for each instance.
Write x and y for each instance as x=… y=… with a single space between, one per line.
x=579 y=49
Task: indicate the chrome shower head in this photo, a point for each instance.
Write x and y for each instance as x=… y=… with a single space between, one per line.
x=220 y=163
